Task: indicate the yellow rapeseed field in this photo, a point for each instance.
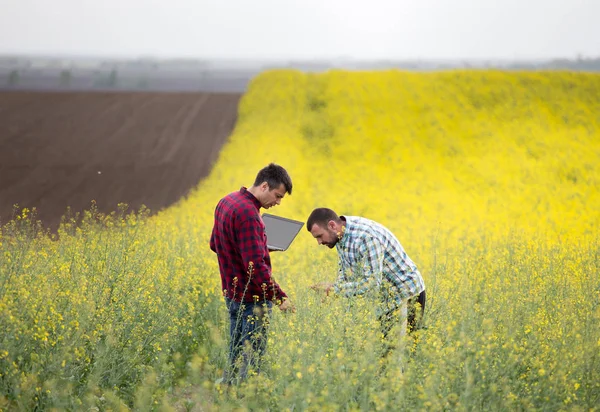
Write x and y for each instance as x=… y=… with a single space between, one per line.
x=489 y=179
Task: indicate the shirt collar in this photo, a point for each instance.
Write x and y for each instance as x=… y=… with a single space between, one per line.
x=246 y=193
x=342 y=242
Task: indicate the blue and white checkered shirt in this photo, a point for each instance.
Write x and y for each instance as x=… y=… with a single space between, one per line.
x=372 y=260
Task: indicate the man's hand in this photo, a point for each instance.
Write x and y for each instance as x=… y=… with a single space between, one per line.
x=287 y=306
x=324 y=286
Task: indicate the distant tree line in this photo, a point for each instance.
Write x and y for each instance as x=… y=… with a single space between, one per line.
x=579 y=64
x=109 y=77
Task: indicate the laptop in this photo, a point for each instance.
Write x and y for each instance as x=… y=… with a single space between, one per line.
x=280 y=231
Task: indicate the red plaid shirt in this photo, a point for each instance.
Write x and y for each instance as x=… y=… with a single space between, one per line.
x=240 y=242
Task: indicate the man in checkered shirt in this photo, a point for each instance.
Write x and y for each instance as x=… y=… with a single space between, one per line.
x=371 y=262
x=240 y=242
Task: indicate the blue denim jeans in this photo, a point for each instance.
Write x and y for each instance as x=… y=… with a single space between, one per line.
x=248 y=324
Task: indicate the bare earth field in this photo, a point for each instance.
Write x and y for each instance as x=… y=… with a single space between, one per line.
x=60 y=149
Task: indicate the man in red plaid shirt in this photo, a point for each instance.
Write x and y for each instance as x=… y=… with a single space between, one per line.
x=240 y=242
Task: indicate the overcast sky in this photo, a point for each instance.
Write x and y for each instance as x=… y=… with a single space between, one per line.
x=445 y=29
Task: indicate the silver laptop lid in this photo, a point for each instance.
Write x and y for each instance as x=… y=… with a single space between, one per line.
x=281 y=231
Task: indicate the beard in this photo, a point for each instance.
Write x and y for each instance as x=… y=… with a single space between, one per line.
x=333 y=236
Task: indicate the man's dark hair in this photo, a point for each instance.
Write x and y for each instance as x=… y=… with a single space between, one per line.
x=275 y=176
x=321 y=216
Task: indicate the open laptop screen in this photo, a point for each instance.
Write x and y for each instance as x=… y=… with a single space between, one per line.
x=280 y=231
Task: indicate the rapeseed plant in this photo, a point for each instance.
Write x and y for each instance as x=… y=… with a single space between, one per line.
x=490 y=181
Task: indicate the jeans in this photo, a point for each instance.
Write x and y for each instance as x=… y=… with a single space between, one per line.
x=407 y=318
x=409 y=315
x=416 y=311
x=248 y=324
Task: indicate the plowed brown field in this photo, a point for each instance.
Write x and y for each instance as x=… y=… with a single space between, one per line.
x=67 y=149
